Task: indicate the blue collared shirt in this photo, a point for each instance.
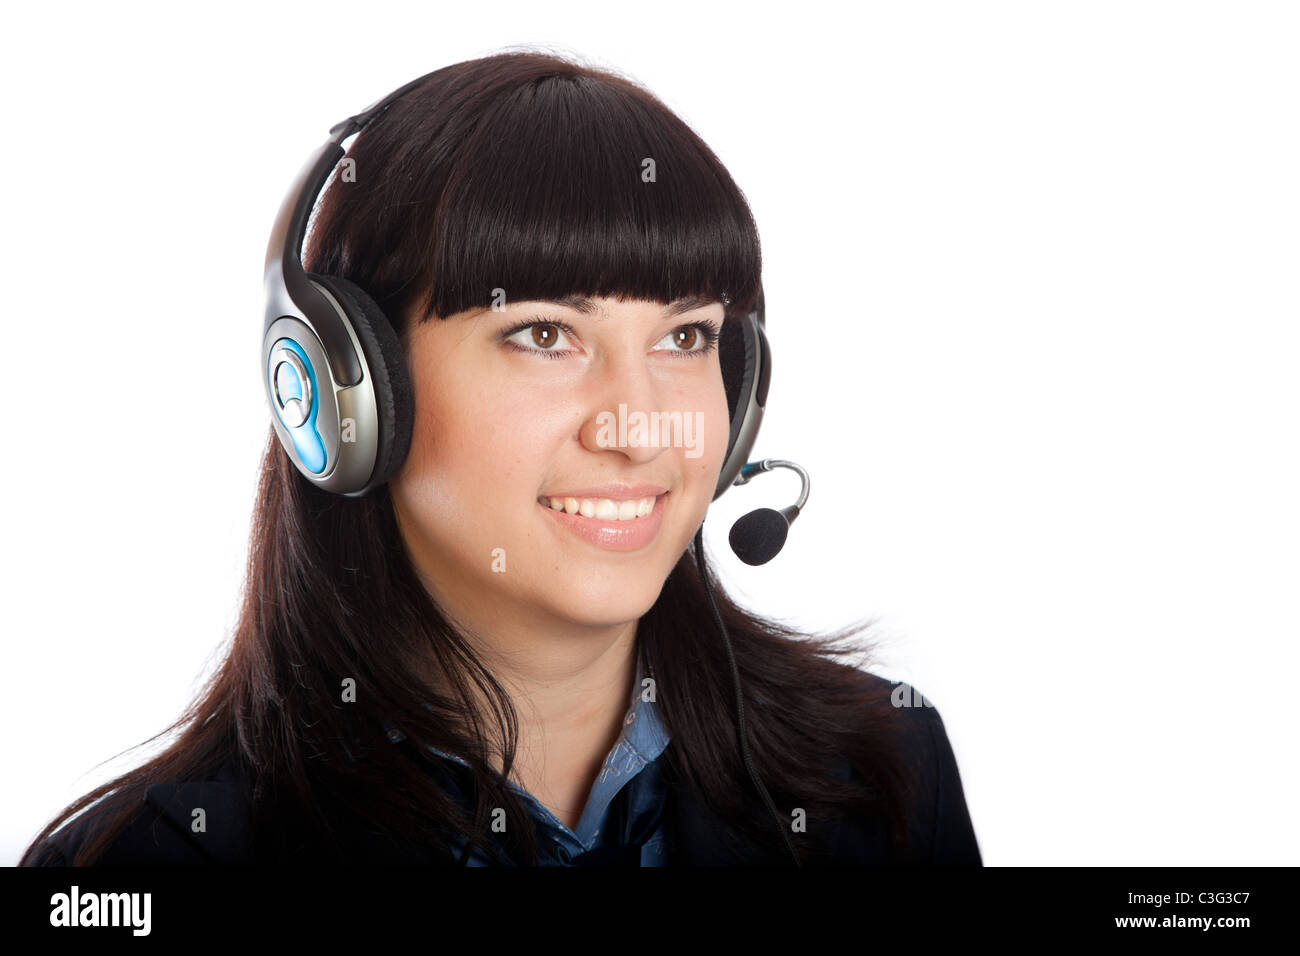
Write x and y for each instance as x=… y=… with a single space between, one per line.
x=642 y=741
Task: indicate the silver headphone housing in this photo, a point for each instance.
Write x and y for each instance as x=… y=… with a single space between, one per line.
x=348 y=464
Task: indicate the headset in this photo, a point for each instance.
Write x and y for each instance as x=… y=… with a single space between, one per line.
x=339 y=387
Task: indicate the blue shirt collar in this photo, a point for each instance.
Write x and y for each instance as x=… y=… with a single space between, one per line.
x=642 y=741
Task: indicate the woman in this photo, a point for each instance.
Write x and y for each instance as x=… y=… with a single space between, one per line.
x=457 y=668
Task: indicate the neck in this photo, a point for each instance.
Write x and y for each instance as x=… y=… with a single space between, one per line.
x=571 y=691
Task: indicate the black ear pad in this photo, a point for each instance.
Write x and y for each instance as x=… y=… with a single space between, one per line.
x=734 y=358
x=388 y=369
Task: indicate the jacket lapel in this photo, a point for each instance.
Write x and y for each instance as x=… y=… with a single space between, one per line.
x=211 y=815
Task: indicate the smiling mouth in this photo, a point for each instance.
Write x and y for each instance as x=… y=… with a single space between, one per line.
x=606 y=527
x=603 y=509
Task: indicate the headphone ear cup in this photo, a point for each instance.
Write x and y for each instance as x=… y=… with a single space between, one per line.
x=390 y=376
x=733 y=356
x=745 y=361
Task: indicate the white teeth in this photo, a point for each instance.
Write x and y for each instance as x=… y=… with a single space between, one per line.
x=605 y=509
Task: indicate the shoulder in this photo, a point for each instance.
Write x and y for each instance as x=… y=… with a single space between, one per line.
x=189 y=823
x=214 y=821
x=940 y=828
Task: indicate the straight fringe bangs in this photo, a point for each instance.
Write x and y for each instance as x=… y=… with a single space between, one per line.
x=544 y=179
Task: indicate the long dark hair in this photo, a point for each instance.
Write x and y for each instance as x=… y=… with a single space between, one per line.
x=520 y=171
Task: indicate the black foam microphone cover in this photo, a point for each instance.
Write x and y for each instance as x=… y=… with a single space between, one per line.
x=759 y=536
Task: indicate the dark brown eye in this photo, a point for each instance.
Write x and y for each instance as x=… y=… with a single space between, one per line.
x=694 y=340
x=544 y=335
x=686 y=336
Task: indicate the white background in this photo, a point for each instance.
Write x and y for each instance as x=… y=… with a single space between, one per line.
x=1031 y=272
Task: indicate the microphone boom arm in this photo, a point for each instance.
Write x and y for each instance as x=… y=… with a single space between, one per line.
x=767 y=464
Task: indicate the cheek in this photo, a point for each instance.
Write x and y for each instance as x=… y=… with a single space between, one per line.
x=721 y=431
x=447 y=445
x=717 y=427
x=704 y=454
x=477 y=443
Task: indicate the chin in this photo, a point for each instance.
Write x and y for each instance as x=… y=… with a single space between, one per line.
x=598 y=607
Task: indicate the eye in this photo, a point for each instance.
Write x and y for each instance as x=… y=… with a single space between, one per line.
x=544 y=335
x=699 y=338
x=702 y=335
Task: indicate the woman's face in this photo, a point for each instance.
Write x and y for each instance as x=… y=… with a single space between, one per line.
x=507 y=420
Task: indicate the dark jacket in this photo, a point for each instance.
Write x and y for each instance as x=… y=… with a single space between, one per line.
x=161 y=835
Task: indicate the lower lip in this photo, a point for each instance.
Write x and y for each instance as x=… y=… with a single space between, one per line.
x=613 y=535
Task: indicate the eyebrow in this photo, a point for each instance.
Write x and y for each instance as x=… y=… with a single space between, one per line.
x=588 y=306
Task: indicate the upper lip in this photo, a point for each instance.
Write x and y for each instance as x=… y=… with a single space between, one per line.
x=613 y=492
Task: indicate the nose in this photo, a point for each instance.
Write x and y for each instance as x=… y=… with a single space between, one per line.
x=621 y=395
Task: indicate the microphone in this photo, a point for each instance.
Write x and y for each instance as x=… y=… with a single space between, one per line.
x=759 y=536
